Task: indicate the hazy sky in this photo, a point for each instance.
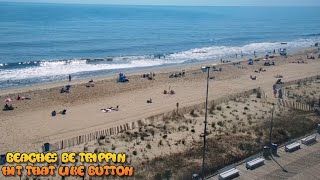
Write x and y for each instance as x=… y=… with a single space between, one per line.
x=188 y=2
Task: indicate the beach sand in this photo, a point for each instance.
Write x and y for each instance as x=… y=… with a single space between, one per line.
x=30 y=125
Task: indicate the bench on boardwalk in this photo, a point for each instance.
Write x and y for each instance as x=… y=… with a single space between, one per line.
x=308 y=140
x=292 y=147
x=252 y=164
x=229 y=174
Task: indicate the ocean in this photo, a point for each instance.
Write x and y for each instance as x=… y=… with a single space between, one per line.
x=42 y=43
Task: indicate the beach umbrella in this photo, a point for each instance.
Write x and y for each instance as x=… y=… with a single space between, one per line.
x=8 y=100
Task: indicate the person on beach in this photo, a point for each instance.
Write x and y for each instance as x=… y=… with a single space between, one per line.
x=22 y=98
x=274 y=90
x=280 y=94
x=7 y=107
x=69 y=77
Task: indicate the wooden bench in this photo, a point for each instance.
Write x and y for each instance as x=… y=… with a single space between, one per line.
x=292 y=147
x=254 y=163
x=229 y=174
x=309 y=139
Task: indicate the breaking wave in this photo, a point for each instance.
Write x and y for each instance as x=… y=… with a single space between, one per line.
x=50 y=70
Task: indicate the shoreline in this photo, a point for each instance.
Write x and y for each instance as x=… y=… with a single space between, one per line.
x=135 y=72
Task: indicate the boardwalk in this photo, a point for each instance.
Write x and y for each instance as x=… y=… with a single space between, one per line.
x=301 y=164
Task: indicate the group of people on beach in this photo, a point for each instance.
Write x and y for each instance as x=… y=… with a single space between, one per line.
x=10 y=107
x=260 y=70
x=300 y=62
x=149 y=76
x=63 y=112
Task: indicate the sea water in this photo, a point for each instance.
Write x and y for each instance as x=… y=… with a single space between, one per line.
x=46 y=42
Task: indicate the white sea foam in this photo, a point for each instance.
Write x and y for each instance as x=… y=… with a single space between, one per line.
x=62 y=68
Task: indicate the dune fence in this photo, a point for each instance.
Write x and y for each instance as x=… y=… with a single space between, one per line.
x=294 y=105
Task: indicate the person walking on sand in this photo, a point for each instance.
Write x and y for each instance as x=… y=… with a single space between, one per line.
x=69 y=77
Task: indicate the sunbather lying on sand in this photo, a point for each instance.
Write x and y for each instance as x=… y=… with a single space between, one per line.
x=106 y=110
x=110 y=109
x=90 y=83
x=22 y=98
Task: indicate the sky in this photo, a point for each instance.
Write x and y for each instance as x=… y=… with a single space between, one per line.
x=186 y=2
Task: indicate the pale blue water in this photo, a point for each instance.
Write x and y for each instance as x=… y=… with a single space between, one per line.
x=46 y=42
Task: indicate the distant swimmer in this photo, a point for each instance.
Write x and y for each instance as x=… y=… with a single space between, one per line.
x=69 y=77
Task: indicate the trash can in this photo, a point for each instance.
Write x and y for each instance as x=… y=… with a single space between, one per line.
x=266 y=151
x=274 y=148
x=3 y=159
x=46 y=147
x=318 y=128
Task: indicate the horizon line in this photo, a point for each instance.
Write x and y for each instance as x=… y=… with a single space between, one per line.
x=176 y=5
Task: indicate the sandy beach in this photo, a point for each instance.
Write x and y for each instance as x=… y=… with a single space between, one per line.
x=30 y=124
